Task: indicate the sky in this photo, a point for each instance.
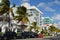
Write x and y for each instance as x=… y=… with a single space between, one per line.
x=50 y=8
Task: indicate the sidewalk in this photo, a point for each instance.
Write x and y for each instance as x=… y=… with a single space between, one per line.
x=31 y=39
x=48 y=36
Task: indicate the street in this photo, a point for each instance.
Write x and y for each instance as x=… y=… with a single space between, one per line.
x=51 y=38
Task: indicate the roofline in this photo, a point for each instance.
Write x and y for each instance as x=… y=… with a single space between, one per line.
x=49 y=18
x=33 y=7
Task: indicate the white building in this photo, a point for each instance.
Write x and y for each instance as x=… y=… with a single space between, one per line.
x=31 y=10
x=46 y=22
x=35 y=12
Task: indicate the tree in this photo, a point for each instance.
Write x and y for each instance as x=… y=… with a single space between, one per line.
x=52 y=28
x=35 y=27
x=4 y=9
x=4 y=6
x=44 y=31
x=22 y=16
x=11 y=11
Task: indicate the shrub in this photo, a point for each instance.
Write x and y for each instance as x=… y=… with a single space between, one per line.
x=1 y=33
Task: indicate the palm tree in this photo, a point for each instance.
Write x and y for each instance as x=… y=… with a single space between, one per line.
x=4 y=6
x=35 y=27
x=10 y=11
x=22 y=16
x=53 y=29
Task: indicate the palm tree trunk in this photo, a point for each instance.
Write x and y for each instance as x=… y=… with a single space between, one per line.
x=9 y=23
x=8 y=19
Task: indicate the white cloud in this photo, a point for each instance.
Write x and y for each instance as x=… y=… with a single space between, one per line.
x=55 y=24
x=46 y=7
x=54 y=2
x=49 y=9
x=11 y=5
x=25 y=1
x=56 y=17
x=59 y=23
x=41 y=5
x=57 y=2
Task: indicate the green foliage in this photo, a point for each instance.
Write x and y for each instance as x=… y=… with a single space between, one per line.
x=14 y=5
x=18 y=33
x=35 y=27
x=34 y=23
x=58 y=30
x=53 y=28
x=21 y=11
x=4 y=6
x=42 y=32
x=22 y=16
x=45 y=32
x=1 y=33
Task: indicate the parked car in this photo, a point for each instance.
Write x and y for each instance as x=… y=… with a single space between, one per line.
x=1 y=37
x=33 y=35
x=24 y=35
x=9 y=35
x=40 y=35
x=19 y=36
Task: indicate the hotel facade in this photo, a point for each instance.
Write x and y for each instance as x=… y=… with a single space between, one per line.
x=31 y=10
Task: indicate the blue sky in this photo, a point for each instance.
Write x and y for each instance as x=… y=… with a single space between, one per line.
x=50 y=8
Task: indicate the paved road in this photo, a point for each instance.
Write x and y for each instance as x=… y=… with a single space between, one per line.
x=41 y=39
x=52 y=38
